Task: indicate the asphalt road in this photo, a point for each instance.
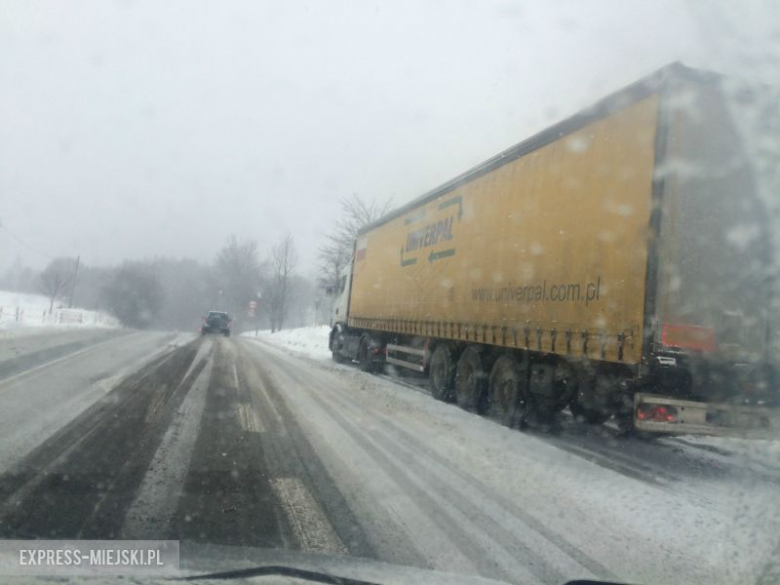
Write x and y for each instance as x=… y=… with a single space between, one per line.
x=234 y=442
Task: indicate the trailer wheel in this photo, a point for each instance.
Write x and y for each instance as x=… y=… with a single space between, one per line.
x=508 y=397
x=364 y=359
x=470 y=381
x=441 y=374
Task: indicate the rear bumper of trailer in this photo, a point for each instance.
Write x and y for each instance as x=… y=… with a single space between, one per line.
x=661 y=414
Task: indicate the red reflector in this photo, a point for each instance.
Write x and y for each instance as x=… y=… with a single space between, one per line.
x=656 y=413
x=688 y=336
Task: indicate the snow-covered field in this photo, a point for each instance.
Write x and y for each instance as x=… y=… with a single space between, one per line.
x=23 y=312
x=309 y=341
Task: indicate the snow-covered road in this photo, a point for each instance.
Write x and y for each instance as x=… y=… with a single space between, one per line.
x=265 y=444
x=704 y=507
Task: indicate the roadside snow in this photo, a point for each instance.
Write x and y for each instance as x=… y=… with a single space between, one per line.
x=21 y=312
x=309 y=341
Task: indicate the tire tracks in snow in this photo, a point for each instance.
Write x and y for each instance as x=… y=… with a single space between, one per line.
x=438 y=485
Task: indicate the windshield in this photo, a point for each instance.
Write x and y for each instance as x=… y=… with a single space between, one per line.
x=395 y=291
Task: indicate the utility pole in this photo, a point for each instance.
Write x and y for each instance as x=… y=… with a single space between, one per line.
x=75 y=276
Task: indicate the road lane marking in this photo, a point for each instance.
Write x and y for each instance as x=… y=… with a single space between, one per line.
x=312 y=529
x=248 y=419
x=157 y=497
x=235 y=375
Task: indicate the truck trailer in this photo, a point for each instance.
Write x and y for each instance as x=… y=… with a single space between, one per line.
x=618 y=263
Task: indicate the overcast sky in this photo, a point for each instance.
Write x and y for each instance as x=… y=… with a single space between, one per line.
x=130 y=129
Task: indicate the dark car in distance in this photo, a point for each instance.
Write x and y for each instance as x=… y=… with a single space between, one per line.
x=216 y=322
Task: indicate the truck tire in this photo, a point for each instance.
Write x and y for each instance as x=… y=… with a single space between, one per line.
x=441 y=374
x=364 y=356
x=508 y=396
x=470 y=381
x=334 y=346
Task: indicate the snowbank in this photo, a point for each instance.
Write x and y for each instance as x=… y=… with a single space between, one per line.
x=24 y=311
x=309 y=341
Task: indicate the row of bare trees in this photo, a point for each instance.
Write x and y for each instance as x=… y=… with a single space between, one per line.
x=174 y=293
x=238 y=260
x=244 y=277
x=170 y=293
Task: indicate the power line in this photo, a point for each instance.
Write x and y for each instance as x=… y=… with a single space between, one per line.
x=25 y=244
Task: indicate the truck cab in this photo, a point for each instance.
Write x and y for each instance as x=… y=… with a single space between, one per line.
x=348 y=344
x=341 y=294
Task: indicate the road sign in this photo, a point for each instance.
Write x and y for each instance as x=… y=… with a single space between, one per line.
x=252 y=305
x=251 y=313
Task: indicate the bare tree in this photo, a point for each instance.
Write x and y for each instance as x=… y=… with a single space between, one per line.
x=283 y=262
x=337 y=250
x=238 y=271
x=56 y=279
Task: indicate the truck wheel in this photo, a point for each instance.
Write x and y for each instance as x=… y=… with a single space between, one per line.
x=470 y=381
x=334 y=346
x=364 y=357
x=508 y=397
x=589 y=415
x=441 y=374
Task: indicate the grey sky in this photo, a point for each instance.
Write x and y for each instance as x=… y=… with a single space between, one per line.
x=133 y=129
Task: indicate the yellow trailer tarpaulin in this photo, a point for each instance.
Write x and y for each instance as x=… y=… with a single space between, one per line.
x=548 y=251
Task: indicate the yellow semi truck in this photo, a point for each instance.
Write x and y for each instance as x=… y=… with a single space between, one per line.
x=616 y=263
